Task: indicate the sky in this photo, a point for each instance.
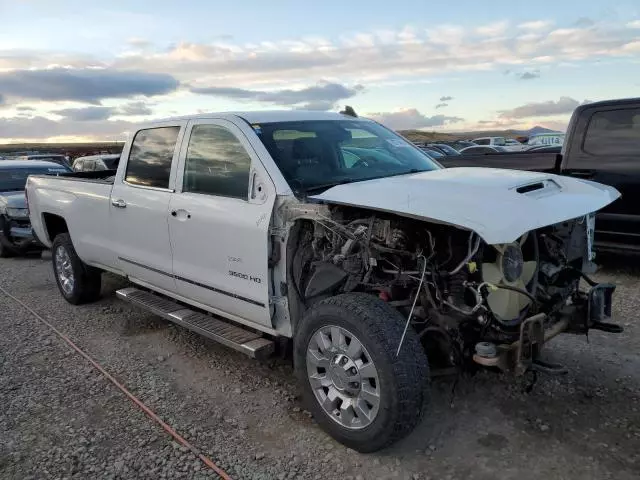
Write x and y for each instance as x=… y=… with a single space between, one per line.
x=89 y=70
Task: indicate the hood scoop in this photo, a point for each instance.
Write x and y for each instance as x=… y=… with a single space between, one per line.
x=543 y=187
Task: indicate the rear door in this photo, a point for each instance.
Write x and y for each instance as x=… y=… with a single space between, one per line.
x=139 y=205
x=219 y=223
x=609 y=153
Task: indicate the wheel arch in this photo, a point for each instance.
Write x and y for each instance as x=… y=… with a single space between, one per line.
x=54 y=225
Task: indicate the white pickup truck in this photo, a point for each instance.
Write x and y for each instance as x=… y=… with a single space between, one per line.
x=335 y=235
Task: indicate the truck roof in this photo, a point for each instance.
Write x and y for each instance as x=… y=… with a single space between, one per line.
x=267 y=116
x=618 y=102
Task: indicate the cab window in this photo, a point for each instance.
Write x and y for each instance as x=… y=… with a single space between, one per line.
x=216 y=163
x=151 y=155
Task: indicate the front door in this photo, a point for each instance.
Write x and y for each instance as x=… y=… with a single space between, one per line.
x=140 y=207
x=219 y=222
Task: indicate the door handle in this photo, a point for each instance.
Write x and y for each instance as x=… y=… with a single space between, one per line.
x=183 y=214
x=119 y=203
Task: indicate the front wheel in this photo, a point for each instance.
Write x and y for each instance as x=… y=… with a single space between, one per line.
x=78 y=283
x=355 y=386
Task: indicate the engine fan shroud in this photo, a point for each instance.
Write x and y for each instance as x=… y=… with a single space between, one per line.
x=508 y=265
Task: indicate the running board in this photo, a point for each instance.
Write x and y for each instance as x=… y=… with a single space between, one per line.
x=245 y=341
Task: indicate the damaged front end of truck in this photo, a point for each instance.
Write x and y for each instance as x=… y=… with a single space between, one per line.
x=470 y=301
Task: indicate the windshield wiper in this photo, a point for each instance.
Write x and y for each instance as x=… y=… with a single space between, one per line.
x=408 y=172
x=331 y=184
x=354 y=180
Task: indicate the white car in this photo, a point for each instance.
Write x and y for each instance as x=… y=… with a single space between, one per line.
x=513 y=145
x=482 y=149
x=337 y=235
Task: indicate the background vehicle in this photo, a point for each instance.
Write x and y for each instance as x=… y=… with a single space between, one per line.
x=513 y=145
x=547 y=139
x=433 y=152
x=544 y=148
x=460 y=144
x=16 y=236
x=338 y=235
x=482 y=149
x=47 y=157
x=492 y=141
x=446 y=149
x=603 y=145
x=92 y=163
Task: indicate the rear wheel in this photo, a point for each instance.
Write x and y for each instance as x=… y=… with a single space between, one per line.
x=78 y=283
x=356 y=387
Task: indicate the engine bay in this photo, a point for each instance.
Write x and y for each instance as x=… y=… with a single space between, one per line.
x=457 y=293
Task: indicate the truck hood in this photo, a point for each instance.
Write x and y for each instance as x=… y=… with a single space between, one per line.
x=13 y=199
x=499 y=205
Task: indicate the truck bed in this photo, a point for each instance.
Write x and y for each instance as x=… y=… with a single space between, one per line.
x=532 y=161
x=100 y=176
x=80 y=201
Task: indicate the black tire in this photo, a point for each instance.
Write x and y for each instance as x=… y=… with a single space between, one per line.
x=4 y=251
x=87 y=280
x=404 y=380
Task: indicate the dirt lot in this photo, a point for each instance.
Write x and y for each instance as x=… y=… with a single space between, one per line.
x=60 y=419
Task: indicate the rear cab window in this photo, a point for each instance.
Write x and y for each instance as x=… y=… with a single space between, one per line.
x=613 y=132
x=151 y=155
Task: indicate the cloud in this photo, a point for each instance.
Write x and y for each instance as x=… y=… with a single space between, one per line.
x=634 y=24
x=97 y=113
x=564 y=105
x=42 y=128
x=493 y=29
x=2 y=100
x=442 y=105
x=322 y=96
x=369 y=57
x=535 y=25
x=134 y=108
x=584 y=22
x=86 y=114
x=84 y=85
x=138 y=42
x=530 y=75
x=25 y=108
x=411 y=118
x=446 y=99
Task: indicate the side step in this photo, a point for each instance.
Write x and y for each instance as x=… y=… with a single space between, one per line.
x=245 y=341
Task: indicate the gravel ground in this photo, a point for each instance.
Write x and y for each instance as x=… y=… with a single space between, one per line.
x=61 y=419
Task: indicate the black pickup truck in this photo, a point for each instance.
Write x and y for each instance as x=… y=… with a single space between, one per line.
x=602 y=144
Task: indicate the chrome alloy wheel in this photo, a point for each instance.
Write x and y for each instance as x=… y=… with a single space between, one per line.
x=64 y=270
x=343 y=377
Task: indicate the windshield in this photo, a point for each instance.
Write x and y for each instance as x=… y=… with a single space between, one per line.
x=318 y=154
x=14 y=179
x=500 y=141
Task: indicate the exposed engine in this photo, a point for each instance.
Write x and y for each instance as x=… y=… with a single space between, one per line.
x=456 y=291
